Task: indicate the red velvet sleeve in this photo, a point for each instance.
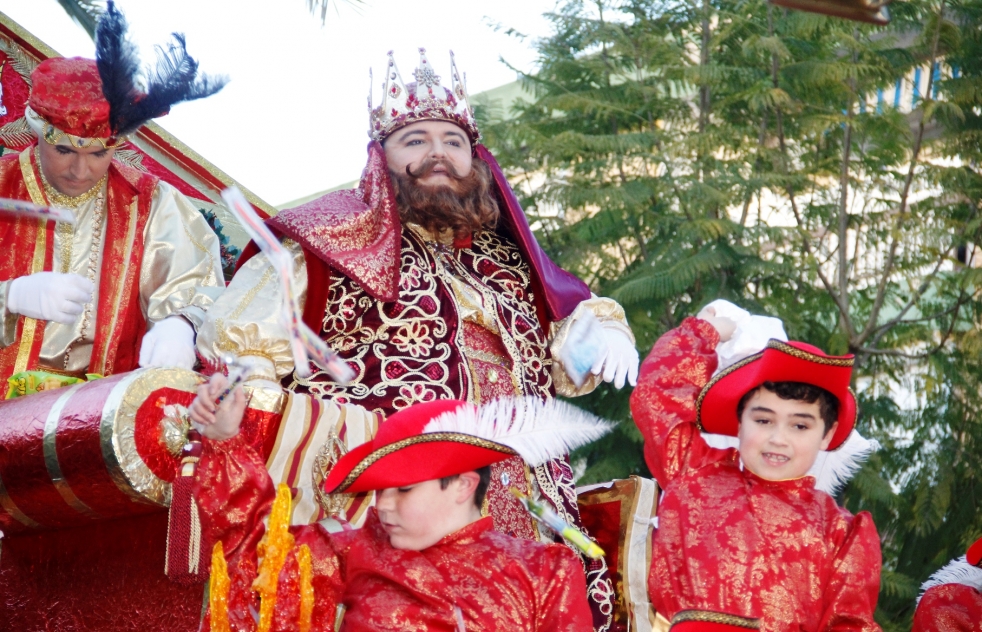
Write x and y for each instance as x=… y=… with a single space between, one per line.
x=850 y=597
x=234 y=494
x=664 y=402
x=948 y=608
x=562 y=604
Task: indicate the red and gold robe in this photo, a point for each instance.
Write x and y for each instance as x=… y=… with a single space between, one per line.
x=949 y=608
x=729 y=541
x=952 y=599
x=488 y=580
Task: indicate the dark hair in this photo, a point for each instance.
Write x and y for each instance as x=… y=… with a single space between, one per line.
x=482 y=485
x=828 y=404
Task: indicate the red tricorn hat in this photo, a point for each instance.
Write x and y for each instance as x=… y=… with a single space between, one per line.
x=974 y=553
x=716 y=408
x=402 y=454
x=447 y=437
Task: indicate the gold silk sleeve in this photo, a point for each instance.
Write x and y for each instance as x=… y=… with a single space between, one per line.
x=245 y=320
x=8 y=324
x=611 y=316
x=181 y=271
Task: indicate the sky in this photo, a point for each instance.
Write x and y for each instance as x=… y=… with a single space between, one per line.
x=293 y=119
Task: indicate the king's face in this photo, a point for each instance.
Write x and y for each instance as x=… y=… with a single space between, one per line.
x=438 y=141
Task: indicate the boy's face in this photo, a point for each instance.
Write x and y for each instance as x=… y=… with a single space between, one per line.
x=418 y=516
x=780 y=438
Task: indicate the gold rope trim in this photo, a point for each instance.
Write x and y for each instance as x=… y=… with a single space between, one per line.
x=428 y=437
x=37 y=263
x=801 y=354
x=705 y=616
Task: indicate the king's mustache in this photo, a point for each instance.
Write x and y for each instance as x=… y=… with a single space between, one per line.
x=429 y=165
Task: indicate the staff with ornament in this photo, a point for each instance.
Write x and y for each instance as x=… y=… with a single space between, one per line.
x=127 y=284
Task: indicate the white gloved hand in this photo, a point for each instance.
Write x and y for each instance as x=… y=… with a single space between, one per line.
x=50 y=296
x=169 y=343
x=619 y=362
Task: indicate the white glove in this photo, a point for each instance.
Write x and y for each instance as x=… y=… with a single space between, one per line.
x=619 y=361
x=50 y=296
x=169 y=343
x=750 y=335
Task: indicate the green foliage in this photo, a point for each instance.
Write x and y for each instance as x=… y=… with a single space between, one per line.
x=675 y=152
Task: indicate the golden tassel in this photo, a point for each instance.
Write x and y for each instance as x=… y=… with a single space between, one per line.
x=273 y=549
x=306 y=588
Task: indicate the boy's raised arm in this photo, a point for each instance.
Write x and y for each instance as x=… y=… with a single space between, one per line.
x=664 y=402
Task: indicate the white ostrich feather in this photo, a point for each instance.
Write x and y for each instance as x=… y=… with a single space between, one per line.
x=832 y=470
x=537 y=430
x=957 y=571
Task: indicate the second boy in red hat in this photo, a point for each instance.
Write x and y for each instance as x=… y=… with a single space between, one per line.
x=425 y=559
x=744 y=539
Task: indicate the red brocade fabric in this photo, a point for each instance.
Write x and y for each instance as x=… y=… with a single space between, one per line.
x=496 y=582
x=949 y=608
x=67 y=92
x=729 y=541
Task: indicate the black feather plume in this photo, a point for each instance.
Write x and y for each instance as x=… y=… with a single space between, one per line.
x=173 y=80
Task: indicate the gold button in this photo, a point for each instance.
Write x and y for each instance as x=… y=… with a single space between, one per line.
x=493 y=376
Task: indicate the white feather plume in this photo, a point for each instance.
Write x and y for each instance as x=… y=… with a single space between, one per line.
x=832 y=469
x=957 y=571
x=537 y=430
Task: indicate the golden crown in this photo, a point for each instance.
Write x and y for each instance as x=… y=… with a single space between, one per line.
x=421 y=100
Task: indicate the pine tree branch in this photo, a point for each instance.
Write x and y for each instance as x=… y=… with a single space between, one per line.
x=881 y=289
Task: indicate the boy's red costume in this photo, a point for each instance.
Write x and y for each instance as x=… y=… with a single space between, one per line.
x=475 y=576
x=729 y=541
x=952 y=601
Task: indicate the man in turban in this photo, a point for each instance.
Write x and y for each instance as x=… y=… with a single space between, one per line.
x=127 y=285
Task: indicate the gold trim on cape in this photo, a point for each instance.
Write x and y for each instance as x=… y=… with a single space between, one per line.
x=37 y=263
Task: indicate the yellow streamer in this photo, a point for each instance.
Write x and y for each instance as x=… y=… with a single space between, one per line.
x=273 y=549
x=306 y=588
x=218 y=590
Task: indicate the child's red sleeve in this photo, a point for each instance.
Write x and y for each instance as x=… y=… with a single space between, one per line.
x=854 y=585
x=664 y=402
x=562 y=604
x=234 y=494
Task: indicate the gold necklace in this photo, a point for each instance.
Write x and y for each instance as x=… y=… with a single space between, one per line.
x=57 y=198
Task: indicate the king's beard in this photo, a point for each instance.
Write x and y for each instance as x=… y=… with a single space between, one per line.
x=465 y=207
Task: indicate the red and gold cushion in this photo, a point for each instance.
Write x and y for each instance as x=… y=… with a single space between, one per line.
x=619 y=516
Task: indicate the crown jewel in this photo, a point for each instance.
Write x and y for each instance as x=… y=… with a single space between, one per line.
x=422 y=100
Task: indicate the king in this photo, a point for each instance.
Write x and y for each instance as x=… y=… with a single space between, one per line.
x=428 y=281
x=80 y=299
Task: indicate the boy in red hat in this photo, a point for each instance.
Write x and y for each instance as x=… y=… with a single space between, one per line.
x=426 y=558
x=744 y=539
x=952 y=597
